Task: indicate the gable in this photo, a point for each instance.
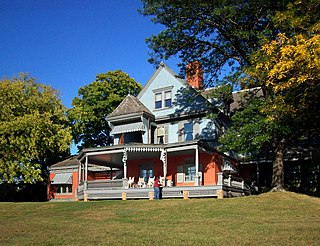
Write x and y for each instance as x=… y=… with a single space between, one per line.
x=163 y=70
x=185 y=100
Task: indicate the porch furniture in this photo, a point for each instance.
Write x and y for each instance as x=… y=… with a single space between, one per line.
x=162 y=181
x=169 y=183
x=141 y=183
x=150 y=182
x=131 y=182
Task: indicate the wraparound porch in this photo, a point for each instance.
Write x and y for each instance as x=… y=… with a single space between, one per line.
x=118 y=189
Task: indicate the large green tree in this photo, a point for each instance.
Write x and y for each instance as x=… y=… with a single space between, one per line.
x=220 y=34
x=94 y=102
x=287 y=70
x=34 y=130
x=244 y=35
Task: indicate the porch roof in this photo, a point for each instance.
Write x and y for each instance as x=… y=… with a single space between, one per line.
x=111 y=156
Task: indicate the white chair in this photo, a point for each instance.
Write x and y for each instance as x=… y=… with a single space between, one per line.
x=131 y=182
x=141 y=183
x=150 y=182
x=162 y=181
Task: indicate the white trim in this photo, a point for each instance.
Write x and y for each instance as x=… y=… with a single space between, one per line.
x=86 y=173
x=124 y=160
x=141 y=149
x=167 y=88
x=196 y=180
x=104 y=152
x=189 y=147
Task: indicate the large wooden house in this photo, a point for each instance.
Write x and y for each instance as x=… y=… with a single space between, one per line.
x=163 y=131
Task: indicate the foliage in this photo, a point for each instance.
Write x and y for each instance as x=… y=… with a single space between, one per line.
x=287 y=70
x=263 y=219
x=33 y=129
x=268 y=44
x=94 y=102
x=221 y=34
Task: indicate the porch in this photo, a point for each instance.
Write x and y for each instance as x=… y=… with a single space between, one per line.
x=118 y=189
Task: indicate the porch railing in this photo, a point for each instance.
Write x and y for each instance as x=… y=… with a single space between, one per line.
x=107 y=184
x=234 y=182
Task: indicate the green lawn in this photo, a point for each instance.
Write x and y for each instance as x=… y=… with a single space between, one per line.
x=283 y=218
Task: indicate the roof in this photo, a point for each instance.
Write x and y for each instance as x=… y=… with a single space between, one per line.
x=71 y=161
x=129 y=105
x=240 y=97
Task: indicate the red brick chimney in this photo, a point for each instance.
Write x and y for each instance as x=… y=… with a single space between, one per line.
x=194 y=75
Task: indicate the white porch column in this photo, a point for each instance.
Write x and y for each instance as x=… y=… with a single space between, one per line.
x=79 y=172
x=86 y=174
x=163 y=158
x=196 y=180
x=83 y=168
x=124 y=160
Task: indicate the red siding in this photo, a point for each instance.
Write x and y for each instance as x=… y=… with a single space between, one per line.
x=52 y=192
x=211 y=165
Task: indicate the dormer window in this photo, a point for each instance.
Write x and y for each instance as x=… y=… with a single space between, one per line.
x=163 y=98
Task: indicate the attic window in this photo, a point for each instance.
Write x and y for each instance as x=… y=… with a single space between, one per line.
x=163 y=99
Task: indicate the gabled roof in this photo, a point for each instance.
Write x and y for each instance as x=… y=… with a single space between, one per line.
x=155 y=74
x=129 y=105
x=71 y=161
x=241 y=97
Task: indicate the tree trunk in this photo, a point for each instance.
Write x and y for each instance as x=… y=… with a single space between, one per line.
x=278 y=167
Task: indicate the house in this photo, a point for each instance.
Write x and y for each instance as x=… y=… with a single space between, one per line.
x=64 y=178
x=163 y=131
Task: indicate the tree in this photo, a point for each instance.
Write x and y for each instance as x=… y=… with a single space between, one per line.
x=34 y=130
x=94 y=102
x=245 y=35
x=287 y=70
x=221 y=34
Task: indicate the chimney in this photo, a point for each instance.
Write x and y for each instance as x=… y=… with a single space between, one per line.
x=194 y=75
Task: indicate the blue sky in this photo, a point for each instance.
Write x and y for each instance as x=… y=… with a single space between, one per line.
x=65 y=43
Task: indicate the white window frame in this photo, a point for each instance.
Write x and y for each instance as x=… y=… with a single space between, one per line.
x=162 y=94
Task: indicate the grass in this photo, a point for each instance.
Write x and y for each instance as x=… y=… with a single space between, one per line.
x=269 y=219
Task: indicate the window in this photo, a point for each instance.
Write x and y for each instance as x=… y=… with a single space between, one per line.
x=188 y=131
x=162 y=134
x=63 y=188
x=167 y=99
x=158 y=100
x=189 y=171
x=163 y=99
x=146 y=171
